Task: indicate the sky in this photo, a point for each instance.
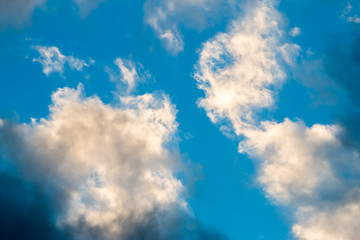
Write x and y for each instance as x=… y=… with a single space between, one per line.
x=179 y=119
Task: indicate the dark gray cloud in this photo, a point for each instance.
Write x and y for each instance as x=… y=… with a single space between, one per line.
x=27 y=211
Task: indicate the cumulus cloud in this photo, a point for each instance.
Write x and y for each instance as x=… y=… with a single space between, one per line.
x=240 y=70
x=129 y=73
x=164 y=18
x=313 y=173
x=109 y=170
x=111 y=161
x=52 y=60
x=16 y=13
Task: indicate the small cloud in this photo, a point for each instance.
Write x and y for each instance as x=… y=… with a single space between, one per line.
x=347 y=10
x=166 y=17
x=170 y=36
x=52 y=60
x=354 y=19
x=295 y=31
x=129 y=73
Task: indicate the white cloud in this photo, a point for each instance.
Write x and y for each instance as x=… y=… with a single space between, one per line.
x=113 y=163
x=295 y=31
x=336 y=222
x=16 y=13
x=294 y=158
x=129 y=74
x=164 y=18
x=239 y=71
x=171 y=38
x=310 y=171
x=354 y=19
x=52 y=60
x=346 y=11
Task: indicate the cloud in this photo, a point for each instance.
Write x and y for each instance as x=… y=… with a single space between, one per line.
x=351 y=19
x=295 y=31
x=240 y=70
x=17 y=13
x=313 y=173
x=129 y=74
x=26 y=207
x=347 y=9
x=52 y=60
x=164 y=18
x=113 y=168
x=86 y=6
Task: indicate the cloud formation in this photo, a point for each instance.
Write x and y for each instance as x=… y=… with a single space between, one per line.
x=240 y=70
x=128 y=74
x=352 y=19
x=311 y=171
x=17 y=13
x=52 y=60
x=111 y=162
x=295 y=31
x=164 y=18
x=100 y=171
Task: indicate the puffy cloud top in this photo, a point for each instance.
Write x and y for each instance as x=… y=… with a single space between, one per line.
x=239 y=70
x=112 y=163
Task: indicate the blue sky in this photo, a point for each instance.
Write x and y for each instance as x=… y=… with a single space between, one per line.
x=178 y=119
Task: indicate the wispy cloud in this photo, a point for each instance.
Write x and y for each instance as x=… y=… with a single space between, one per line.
x=295 y=31
x=164 y=17
x=52 y=60
x=128 y=74
x=348 y=9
